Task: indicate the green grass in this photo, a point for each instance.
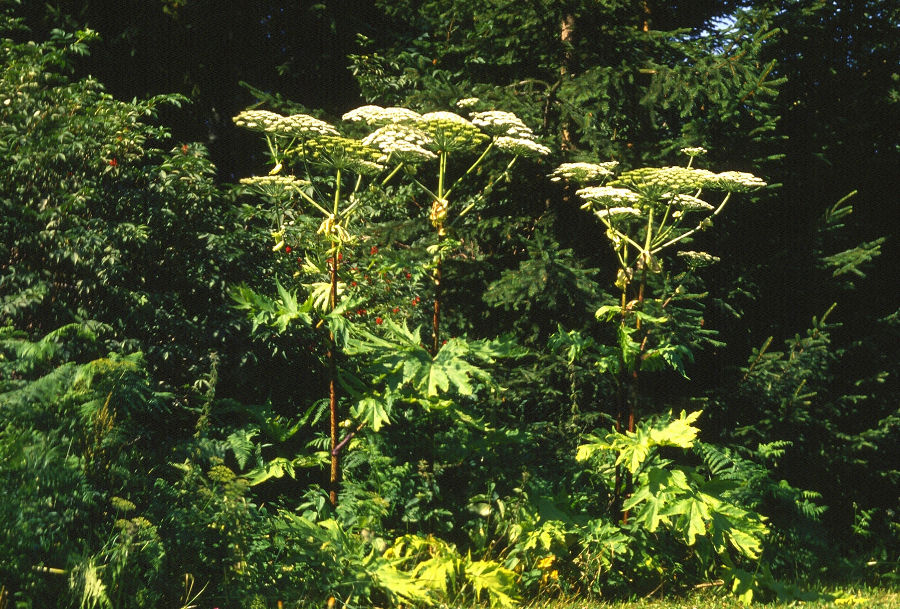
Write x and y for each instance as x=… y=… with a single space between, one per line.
x=868 y=598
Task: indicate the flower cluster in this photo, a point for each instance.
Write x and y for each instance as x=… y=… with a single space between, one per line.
x=736 y=181
x=274 y=186
x=583 y=173
x=302 y=126
x=498 y=122
x=657 y=180
x=341 y=153
x=608 y=196
x=697 y=260
x=257 y=120
x=295 y=125
x=694 y=151
x=376 y=115
x=400 y=142
x=449 y=131
x=521 y=146
x=617 y=212
x=689 y=203
x=467 y=102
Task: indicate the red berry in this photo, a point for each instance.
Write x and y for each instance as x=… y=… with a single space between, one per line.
x=409 y=275
x=113 y=163
x=378 y=320
x=395 y=310
x=287 y=249
x=373 y=251
x=340 y=257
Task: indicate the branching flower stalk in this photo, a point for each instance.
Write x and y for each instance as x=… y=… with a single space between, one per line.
x=646 y=211
x=450 y=133
x=314 y=144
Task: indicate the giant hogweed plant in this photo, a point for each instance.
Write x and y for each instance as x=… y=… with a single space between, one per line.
x=647 y=213
x=333 y=175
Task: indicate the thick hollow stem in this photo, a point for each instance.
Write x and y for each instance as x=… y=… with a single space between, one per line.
x=436 y=320
x=332 y=388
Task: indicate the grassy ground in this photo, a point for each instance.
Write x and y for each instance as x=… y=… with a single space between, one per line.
x=869 y=598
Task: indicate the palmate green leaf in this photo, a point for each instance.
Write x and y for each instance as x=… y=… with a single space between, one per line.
x=282 y=466
x=679 y=432
x=402 y=362
x=440 y=572
x=628 y=348
x=693 y=515
x=374 y=410
x=734 y=526
x=400 y=583
x=633 y=448
x=498 y=581
x=651 y=506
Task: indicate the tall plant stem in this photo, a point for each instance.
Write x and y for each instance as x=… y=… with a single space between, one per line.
x=332 y=390
x=436 y=320
x=438 y=270
x=332 y=357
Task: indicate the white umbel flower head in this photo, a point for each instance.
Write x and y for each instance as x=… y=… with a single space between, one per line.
x=467 y=102
x=521 y=146
x=449 y=131
x=607 y=196
x=499 y=122
x=302 y=126
x=693 y=151
x=583 y=173
x=257 y=120
x=401 y=143
x=697 y=260
x=617 y=212
x=689 y=203
x=376 y=115
x=736 y=181
x=275 y=186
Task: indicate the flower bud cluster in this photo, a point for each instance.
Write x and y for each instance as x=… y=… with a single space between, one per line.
x=341 y=153
x=401 y=143
x=583 y=173
x=658 y=180
x=438 y=212
x=376 y=115
x=449 y=131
